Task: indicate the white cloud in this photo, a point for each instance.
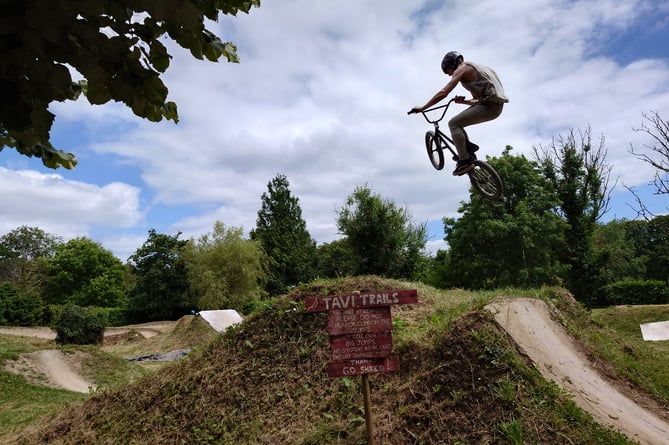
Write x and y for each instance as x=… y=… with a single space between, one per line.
x=124 y=245
x=62 y=207
x=321 y=96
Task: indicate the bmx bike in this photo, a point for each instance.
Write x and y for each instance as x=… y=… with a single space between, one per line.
x=485 y=180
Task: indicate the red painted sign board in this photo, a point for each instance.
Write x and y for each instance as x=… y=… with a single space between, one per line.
x=363 y=366
x=361 y=300
x=365 y=345
x=357 y=321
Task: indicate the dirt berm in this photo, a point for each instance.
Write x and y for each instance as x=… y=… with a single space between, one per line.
x=533 y=327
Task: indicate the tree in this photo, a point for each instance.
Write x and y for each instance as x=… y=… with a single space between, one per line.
x=614 y=243
x=655 y=154
x=381 y=237
x=282 y=232
x=335 y=259
x=579 y=174
x=19 y=308
x=651 y=244
x=657 y=267
x=22 y=255
x=161 y=286
x=116 y=46
x=225 y=270
x=7 y=291
x=510 y=242
x=84 y=273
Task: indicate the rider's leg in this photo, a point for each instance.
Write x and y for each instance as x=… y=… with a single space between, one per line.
x=472 y=115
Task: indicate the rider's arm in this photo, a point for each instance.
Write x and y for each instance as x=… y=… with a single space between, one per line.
x=442 y=94
x=446 y=90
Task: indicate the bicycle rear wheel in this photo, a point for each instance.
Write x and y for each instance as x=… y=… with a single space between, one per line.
x=434 y=150
x=486 y=181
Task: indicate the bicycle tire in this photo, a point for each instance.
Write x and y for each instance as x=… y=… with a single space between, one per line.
x=434 y=150
x=486 y=181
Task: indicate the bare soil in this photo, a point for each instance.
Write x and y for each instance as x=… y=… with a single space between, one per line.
x=53 y=368
x=38 y=332
x=147 y=330
x=559 y=358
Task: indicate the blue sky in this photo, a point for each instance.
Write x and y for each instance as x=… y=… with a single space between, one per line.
x=321 y=96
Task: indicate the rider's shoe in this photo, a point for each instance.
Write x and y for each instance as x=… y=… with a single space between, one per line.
x=463 y=167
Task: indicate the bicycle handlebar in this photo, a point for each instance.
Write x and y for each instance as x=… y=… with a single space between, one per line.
x=443 y=113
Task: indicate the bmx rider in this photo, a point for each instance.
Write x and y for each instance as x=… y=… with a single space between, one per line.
x=486 y=103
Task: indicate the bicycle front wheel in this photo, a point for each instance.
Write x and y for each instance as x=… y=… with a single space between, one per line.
x=434 y=150
x=486 y=181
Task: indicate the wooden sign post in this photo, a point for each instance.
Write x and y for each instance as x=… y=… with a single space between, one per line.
x=361 y=343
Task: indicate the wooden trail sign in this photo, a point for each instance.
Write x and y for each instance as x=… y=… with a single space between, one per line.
x=361 y=300
x=357 y=321
x=365 y=345
x=361 y=343
x=347 y=368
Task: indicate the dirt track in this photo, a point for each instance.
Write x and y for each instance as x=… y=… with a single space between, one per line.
x=147 y=330
x=44 y=333
x=559 y=358
x=51 y=367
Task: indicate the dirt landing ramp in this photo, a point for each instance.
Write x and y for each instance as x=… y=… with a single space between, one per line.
x=49 y=367
x=559 y=358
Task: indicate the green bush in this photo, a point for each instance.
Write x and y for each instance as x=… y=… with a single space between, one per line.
x=80 y=326
x=51 y=314
x=636 y=292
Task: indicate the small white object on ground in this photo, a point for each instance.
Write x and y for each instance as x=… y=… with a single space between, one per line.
x=657 y=331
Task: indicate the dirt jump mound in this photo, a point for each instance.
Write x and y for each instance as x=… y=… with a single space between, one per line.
x=558 y=357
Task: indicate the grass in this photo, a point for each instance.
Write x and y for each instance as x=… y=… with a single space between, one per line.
x=617 y=340
x=461 y=380
x=105 y=369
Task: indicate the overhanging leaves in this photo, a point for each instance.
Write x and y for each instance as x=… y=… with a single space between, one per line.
x=114 y=45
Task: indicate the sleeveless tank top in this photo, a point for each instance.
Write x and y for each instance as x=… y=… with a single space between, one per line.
x=487 y=87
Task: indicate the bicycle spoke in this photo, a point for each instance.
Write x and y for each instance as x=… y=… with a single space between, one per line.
x=434 y=150
x=486 y=181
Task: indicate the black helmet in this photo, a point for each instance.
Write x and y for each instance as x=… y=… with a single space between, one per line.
x=451 y=60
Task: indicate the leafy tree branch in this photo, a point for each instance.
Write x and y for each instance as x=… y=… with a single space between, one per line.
x=115 y=46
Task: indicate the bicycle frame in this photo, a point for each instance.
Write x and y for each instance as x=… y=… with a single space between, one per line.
x=445 y=139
